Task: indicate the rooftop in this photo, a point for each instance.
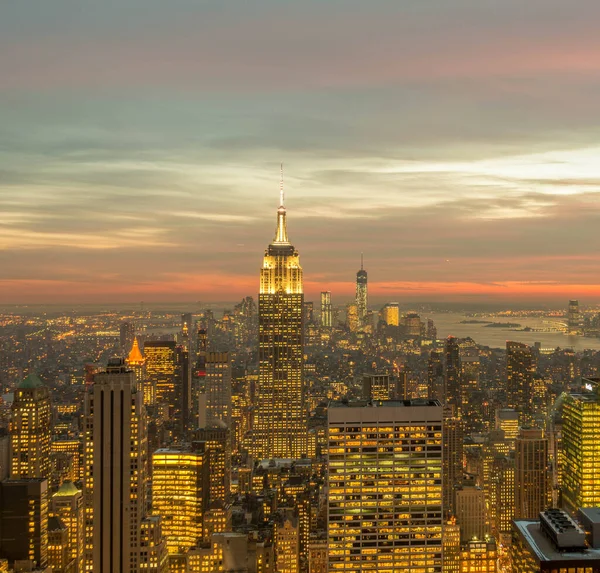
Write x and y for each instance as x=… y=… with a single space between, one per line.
x=544 y=549
x=31 y=381
x=385 y=403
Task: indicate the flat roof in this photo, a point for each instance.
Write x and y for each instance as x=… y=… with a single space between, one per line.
x=384 y=403
x=592 y=513
x=544 y=549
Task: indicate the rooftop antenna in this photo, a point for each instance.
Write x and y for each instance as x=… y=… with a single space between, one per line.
x=281 y=197
x=361 y=262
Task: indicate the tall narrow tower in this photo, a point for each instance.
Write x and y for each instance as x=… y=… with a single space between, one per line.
x=361 y=294
x=116 y=470
x=280 y=428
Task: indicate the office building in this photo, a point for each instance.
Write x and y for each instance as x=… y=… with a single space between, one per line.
x=279 y=425
x=161 y=370
x=217 y=445
x=352 y=317
x=453 y=457
x=382 y=387
x=59 y=557
x=452 y=393
x=218 y=389
x=509 y=421
x=180 y=494
x=451 y=546
x=521 y=364
x=126 y=336
x=574 y=322
x=470 y=512
x=187 y=327
x=391 y=314
x=24 y=521
x=581 y=451
x=116 y=462
x=532 y=478
x=553 y=543
x=326 y=310
x=287 y=542
x=153 y=546
x=362 y=299
x=67 y=505
x=30 y=430
x=435 y=375
x=479 y=555
x=375 y=487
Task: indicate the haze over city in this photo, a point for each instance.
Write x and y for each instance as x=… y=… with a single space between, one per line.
x=454 y=143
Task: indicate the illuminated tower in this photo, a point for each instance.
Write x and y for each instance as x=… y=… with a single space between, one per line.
x=186 y=330
x=532 y=483
x=326 y=311
x=30 y=430
x=453 y=457
x=581 y=451
x=361 y=294
x=137 y=362
x=280 y=426
x=115 y=470
x=391 y=314
x=180 y=494
x=385 y=486
x=161 y=365
x=520 y=368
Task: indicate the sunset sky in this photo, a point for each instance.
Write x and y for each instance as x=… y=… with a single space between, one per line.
x=455 y=142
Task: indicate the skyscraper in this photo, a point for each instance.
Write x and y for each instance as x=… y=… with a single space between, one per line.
x=581 y=451
x=161 y=366
x=180 y=494
x=391 y=314
x=126 y=335
x=137 y=362
x=574 y=318
x=116 y=470
x=279 y=426
x=362 y=302
x=326 y=310
x=67 y=505
x=453 y=457
x=532 y=483
x=452 y=394
x=385 y=486
x=30 y=430
x=218 y=389
x=520 y=367
x=187 y=326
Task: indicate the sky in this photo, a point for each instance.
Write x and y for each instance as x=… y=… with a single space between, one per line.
x=455 y=142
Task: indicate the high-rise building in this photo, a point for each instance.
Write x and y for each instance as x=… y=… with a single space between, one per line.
x=218 y=388
x=280 y=425
x=574 y=318
x=375 y=487
x=187 y=326
x=126 y=336
x=470 y=512
x=391 y=314
x=287 y=542
x=30 y=430
x=161 y=368
x=521 y=364
x=581 y=451
x=153 y=556
x=180 y=494
x=326 y=309
x=452 y=394
x=24 y=520
x=137 y=362
x=451 y=546
x=362 y=302
x=217 y=446
x=453 y=457
x=382 y=387
x=59 y=557
x=532 y=478
x=352 y=317
x=67 y=505
x=435 y=376
x=115 y=470
x=502 y=497
x=509 y=421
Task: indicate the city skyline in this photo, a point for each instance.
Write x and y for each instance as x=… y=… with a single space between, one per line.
x=457 y=151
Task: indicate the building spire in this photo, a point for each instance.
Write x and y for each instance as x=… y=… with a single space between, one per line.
x=281 y=237
x=362 y=260
x=281 y=195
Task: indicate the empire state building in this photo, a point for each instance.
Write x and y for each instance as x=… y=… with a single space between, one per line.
x=280 y=426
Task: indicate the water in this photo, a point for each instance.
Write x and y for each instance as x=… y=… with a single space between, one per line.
x=449 y=324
